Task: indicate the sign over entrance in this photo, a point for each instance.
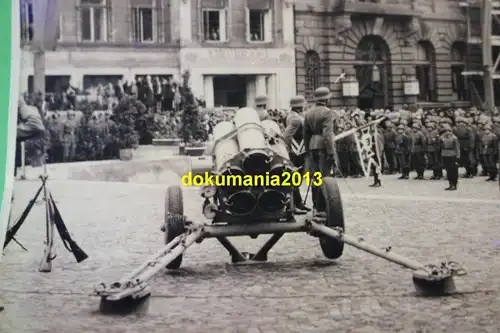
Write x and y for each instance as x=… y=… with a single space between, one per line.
x=237 y=57
x=9 y=82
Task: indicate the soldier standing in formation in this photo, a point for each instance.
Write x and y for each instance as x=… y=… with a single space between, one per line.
x=433 y=153
x=294 y=139
x=450 y=154
x=261 y=107
x=489 y=149
x=467 y=139
x=319 y=141
x=69 y=138
x=403 y=151
x=418 y=148
x=389 y=146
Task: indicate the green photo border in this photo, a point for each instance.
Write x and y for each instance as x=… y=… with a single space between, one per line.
x=10 y=58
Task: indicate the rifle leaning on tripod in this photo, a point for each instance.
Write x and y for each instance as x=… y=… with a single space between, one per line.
x=53 y=220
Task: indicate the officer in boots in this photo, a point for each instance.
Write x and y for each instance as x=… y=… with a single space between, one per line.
x=467 y=139
x=261 y=107
x=479 y=131
x=294 y=139
x=319 y=141
x=418 y=148
x=433 y=153
x=489 y=149
x=389 y=146
x=403 y=151
x=450 y=154
x=377 y=147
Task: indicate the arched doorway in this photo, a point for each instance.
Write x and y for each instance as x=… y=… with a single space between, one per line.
x=373 y=71
x=425 y=60
x=458 y=59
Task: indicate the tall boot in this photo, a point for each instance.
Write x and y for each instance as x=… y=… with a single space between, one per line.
x=376 y=180
x=407 y=173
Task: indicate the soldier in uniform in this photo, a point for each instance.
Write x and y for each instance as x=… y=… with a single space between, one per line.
x=489 y=149
x=389 y=146
x=479 y=131
x=293 y=137
x=261 y=107
x=54 y=128
x=69 y=138
x=418 y=149
x=342 y=150
x=110 y=147
x=403 y=151
x=450 y=154
x=355 y=169
x=433 y=153
x=319 y=133
x=377 y=168
x=467 y=139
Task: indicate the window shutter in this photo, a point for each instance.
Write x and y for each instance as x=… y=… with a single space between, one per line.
x=259 y=4
x=247 y=24
x=268 y=26
x=132 y=25
x=60 y=28
x=223 y=25
x=109 y=22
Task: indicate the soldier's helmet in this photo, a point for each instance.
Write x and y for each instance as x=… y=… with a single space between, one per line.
x=446 y=127
x=322 y=94
x=297 y=101
x=261 y=100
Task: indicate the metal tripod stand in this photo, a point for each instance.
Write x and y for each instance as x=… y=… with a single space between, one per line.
x=53 y=221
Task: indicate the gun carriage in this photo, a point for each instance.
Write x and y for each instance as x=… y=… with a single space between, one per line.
x=248 y=146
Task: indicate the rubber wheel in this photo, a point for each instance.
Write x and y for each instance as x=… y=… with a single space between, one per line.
x=331 y=247
x=174 y=219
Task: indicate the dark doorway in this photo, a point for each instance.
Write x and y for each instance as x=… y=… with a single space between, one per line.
x=373 y=71
x=230 y=90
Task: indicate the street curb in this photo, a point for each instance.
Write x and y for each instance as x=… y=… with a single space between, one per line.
x=144 y=171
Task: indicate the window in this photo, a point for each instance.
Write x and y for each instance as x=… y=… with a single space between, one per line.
x=313 y=72
x=94 y=20
x=214 y=25
x=459 y=84
x=26 y=21
x=426 y=72
x=143 y=23
x=259 y=25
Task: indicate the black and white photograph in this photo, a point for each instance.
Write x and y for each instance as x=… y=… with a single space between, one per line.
x=255 y=166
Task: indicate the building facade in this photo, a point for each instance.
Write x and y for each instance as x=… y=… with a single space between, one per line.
x=385 y=46
x=234 y=49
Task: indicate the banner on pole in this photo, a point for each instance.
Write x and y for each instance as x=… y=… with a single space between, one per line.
x=10 y=56
x=45 y=23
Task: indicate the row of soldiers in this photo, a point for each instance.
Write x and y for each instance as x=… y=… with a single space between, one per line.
x=72 y=138
x=406 y=141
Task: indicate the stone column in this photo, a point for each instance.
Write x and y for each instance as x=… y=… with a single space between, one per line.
x=288 y=23
x=184 y=15
x=272 y=92
x=260 y=85
x=208 y=82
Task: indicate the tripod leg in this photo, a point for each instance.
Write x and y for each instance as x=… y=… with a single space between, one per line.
x=49 y=253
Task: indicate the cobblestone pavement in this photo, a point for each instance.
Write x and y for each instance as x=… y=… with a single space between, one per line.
x=297 y=291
